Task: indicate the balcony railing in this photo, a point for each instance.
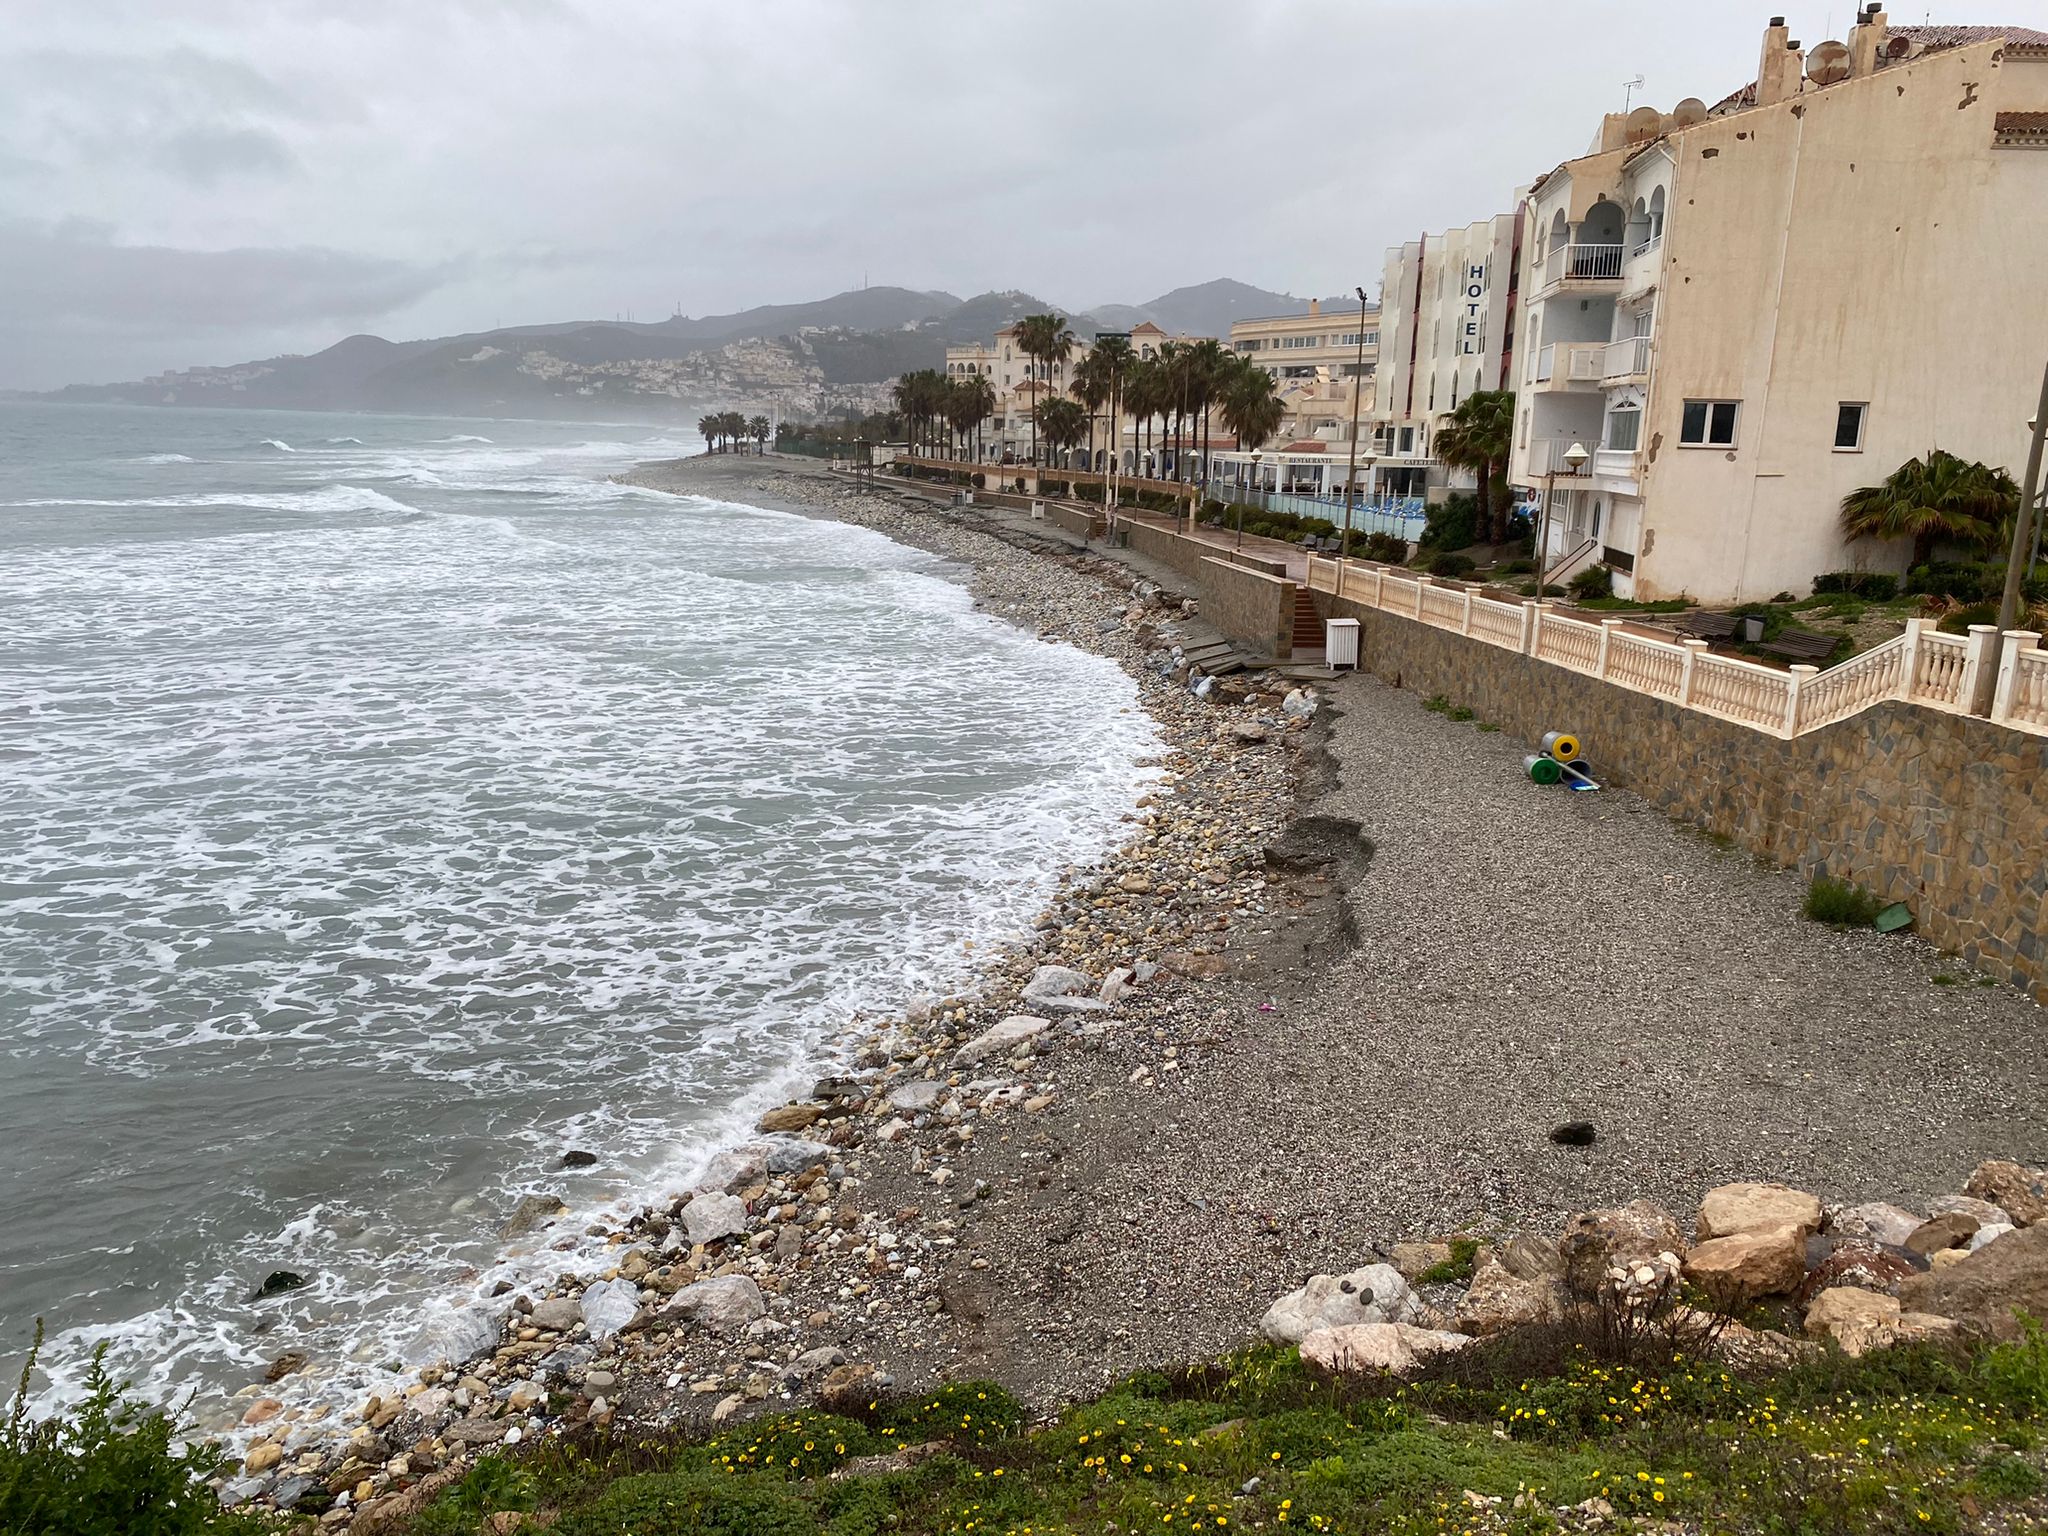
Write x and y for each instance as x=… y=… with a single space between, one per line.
x=1644 y=247
x=1583 y=261
x=1626 y=359
x=1547 y=456
x=1570 y=362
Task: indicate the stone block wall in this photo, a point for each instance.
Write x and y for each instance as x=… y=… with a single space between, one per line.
x=1183 y=554
x=1249 y=606
x=1081 y=524
x=1947 y=813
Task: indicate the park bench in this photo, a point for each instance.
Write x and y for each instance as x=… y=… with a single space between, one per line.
x=1803 y=645
x=1714 y=628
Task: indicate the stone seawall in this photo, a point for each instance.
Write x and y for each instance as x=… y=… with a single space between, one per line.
x=1249 y=606
x=1947 y=813
x=1081 y=524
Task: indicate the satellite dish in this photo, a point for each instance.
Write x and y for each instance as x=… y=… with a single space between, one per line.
x=1644 y=123
x=1828 y=63
x=1689 y=111
x=1899 y=46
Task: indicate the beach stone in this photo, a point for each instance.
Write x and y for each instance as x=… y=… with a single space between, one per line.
x=531 y=1212
x=1748 y=1266
x=791 y=1117
x=1951 y=1229
x=474 y=1432
x=1876 y=1222
x=708 y=1218
x=793 y=1155
x=1001 y=1039
x=608 y=1306
x=262 y=1456
x=1862 y=1266
x=559 y=1314
x=1624 y=1236
x=1857 y=1320
x=848 y=1388
x=1414 y=1260
x=286 y=1364
x=917 y=1097
x=1498 y=1300
x=1989 y=1234
x=576 y=1157
x=263 y=1410
x=1061 y=988
x=2021 y=1192
x=1983 y=1211
x=1357 y=1348
x=893 y=1130
x=1734 y=1208
x=1374 y=1294
x=723 y=1304
x=276 y=1283
x=453 y=1333
x=733 y=1170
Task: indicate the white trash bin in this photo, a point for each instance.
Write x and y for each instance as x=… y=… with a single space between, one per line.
x=1340 y=643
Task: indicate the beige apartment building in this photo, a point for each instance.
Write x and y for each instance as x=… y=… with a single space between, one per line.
x=1745 y=311
x=1314 y=359
x=1019 y=386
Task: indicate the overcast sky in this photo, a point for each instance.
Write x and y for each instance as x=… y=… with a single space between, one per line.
x=207 y=181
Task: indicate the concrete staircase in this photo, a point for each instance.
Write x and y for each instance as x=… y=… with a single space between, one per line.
x=1308 y=624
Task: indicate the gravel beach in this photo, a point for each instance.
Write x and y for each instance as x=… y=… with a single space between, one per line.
x=1335 y=992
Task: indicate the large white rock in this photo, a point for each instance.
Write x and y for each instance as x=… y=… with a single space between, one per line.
x=734 y=1169
x=453 y=1334
x=1061 y=988
x=917 y=1097
x=795 y=1154
x=1875 y=1221
x=1374 y=1294
x=1002 y=1039
x=707 y=1218
x=608 y=1306
x=558 y=1313
x=1738 y=1208
x=724 y=1304
x=1360 y=1347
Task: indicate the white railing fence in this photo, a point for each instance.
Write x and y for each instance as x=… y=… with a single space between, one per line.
x=1923 y=665
x=1581 y=261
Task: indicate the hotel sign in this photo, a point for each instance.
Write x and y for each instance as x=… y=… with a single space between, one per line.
x=1471 y=336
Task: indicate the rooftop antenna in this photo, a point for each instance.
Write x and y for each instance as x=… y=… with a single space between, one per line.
x=1630 y=87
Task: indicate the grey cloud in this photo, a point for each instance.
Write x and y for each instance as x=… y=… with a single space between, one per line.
x=204 y=156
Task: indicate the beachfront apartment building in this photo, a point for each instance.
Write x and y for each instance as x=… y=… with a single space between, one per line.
x=1447 y=330
x=1746 y=311
x=1315 y=362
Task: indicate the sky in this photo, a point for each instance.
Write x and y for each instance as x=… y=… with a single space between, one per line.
x=210 y=181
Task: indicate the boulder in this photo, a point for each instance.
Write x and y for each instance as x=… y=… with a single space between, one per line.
x=558 y=1313
x=734 y=1170
x=725 y=1304
x=1859 y=1320
x=793 y=1154
x=2021 y=1192
x=262 y=1456
x=1374 y=1294
x=790 y=1117
x=708 y=1218
x=916 y=1097
x=1861 y=1266
x=1498 y=1299
x=1002 y=1039
x=1986 y=1290
x=1990 y=1234
x=1983 y=1212
x=1594 y=1242
x=608 y=1306
x=532 y=1211
x=1748 y=1266
x=1063 y=989
x=1414 y=1260
x=1734 y=1208
x=1360 y=1347
x=1951 y=1229
x=1874 y=1222
x=849 y=1388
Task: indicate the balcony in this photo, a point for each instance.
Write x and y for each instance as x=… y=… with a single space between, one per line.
x=1547 y=457
x=1620 y=463
x=1570 y=365
x=1585 y=264
x=1622 y=361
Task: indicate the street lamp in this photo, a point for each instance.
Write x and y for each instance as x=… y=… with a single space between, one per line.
x=1357 y=389
x=1575 y=458
x=1256 y=456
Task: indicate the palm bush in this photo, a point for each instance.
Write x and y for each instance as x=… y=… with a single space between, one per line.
x=1940 y=497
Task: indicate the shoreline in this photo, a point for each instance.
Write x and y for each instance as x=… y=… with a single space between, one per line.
x=837 y=1247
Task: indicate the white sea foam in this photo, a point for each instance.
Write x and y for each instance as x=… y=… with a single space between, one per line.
x=279 y=445
x=546 y=812
x=164 y=458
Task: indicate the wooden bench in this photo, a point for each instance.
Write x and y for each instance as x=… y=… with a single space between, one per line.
x=1711 y=627
x=1803 y=645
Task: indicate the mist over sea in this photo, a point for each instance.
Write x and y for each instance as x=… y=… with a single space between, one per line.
x=389 y=805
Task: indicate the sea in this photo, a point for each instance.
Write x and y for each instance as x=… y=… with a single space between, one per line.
x=391 y=805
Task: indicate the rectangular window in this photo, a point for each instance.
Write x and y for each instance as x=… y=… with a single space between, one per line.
x=1624 y=429
x=1849 y=426
x=1707 y=424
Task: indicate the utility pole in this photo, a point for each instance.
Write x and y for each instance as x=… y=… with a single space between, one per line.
x=1357 y=390
x=2023 y=520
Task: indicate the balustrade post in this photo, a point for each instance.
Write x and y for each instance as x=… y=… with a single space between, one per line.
x=2016 y=641
x=1909 y=664
x=1607 y=629
x=1794 y=686
x=1532 y=627
x=1980 y=670
x=1379 y=586
x=1693 y=648
x=1465 y=619
x=1420 y=583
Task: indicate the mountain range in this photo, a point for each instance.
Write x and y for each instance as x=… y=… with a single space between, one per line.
x=794 y=360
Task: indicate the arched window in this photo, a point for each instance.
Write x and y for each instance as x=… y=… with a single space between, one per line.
x=1657 y=214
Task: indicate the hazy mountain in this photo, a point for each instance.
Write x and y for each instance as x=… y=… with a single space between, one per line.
x=794 y=359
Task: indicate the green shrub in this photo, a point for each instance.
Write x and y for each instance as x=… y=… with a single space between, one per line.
x=109 y=1468
x=1963 y=581
x=1451 y=566
x=1871 y=586
x=966 y=1412
x=494 y=1484
x=1593 y=581
x=1957 y=621
x=1452 y=524
x=794 y=1444
x=1518 y=568
x=1840 y=903
x=691 y=1504
x=1437 y=704
x=1387 y=548
x=1458 y=1267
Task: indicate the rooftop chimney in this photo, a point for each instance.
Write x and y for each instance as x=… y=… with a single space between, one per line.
x=1315 y=306
x=1778 y=65
x=1866 y=41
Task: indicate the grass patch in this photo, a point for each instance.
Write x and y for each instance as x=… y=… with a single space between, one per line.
x=1630 y=605
x=1841 y=904
x=1924 y=1438
x=1437 y=704
x=1488 y=726
x=1459 y=713
x=1455 y=1270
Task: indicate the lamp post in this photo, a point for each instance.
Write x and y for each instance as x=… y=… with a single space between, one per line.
x=1357 y=390
x=1256 y=456
x=1574 y=458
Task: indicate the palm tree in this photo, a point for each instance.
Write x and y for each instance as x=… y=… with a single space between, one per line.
x=1938 y=497
x=1252 y=408
x=1063 y=422
x=1210 y=365
x=1478 y=437
x=981 y=391
x=1113 y=356
x=1046 y=340
x=707 y=428
x=758 y=430
x=1094 y=383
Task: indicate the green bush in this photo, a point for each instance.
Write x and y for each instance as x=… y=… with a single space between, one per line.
x=1386 y=548
x=1840 y=903
x=1871 y=586
x=691 y=1504
x=1957 y=621
x=1452 y=524
x=1593 y=581
x=1971 y=581
x=966 y=1412
x=1451 y=567
x=1518 y=568
x=109 y=1468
